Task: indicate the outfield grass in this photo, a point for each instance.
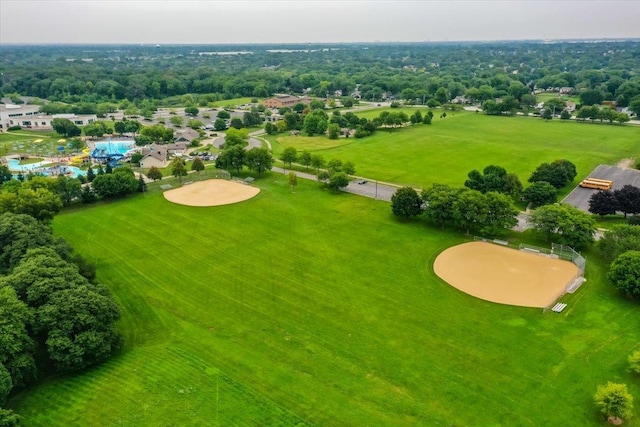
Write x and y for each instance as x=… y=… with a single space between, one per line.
x=448 y=149
x=317 y=308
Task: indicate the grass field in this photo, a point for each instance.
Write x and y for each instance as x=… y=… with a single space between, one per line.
x=311 y=308
x=448 y=149
x=23 y=141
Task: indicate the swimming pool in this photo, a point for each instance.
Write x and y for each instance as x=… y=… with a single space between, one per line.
x=114 y=146
x=15 y=166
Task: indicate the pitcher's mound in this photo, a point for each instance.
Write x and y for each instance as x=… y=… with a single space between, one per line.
x=213 y=192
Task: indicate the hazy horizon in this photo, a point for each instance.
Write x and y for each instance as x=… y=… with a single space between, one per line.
x=192 y=22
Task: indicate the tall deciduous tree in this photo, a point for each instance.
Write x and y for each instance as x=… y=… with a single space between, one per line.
x=564 y=224
x=439 y=203
x=619 y=239
x=177 y=168
x=628 y=198
x=557 y=173
x=470 y=210
x=603 y=203
x=259 y=160
x=289 y=155
x=625 y=273
x=338 y=180
x=406 y=203
x=16 y=346
x=305 y=158
x=540 y=193
x=154 y=173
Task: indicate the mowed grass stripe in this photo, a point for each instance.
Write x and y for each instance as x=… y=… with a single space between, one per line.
x=328 y=308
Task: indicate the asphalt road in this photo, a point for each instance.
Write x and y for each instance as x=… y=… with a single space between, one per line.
x=579 y=197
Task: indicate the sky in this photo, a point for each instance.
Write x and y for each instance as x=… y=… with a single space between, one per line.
x=309 y=21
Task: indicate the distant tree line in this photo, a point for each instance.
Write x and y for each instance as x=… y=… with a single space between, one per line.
x=418 y=73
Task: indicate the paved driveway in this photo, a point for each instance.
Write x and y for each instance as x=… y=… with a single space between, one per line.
x=579 y=197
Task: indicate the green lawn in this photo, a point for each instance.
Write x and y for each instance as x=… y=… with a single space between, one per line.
x=23 y=142
x=316 y=308
x=448 y=149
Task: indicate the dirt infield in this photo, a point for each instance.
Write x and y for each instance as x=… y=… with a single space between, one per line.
x=212 y=192
x=504 y=275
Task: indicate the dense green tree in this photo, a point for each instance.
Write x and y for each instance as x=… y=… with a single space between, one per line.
x=157 y=133
x=494 y=178
x=500 y=214
x=16 y=346
x=349 y=168
x=178 y=168
x=177 y=121
x=197 y=164
x=628 y=198
x=289 y=155
x=558 y=173
x=87 y=195
x=625 y=273
x=65 y=127
x=315 y=122
x=117 y=184
x=591 y=97
x=603 y=203
x=619 y=239
x=239 y=137
x=219 y=124
x=564 y=224
x=259 y=160
x=251 y=118
x=78 y=324
x=6 y=384
x=470 y=210
x=9 y=418
x=334 y=165
x=333 y=130
x=614 y=400
x=222 y=114
x=270 y=128
x=540 y=193
x=191 y=111
x=232 y=157
x=338 y=180
x=5 y=175
x=154 y=173
x=406 y=203
x=439 y=203
x=67 y=189
x=236 y=122
x=41 y=203
x=305 y=158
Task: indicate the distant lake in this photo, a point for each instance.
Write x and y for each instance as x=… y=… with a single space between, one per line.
x=237 y=52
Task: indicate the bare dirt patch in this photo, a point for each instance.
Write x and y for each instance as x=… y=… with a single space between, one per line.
x=212 y=192
x=625 y=164
x=503 y=275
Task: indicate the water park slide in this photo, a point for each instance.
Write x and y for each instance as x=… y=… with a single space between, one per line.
x=78 y=160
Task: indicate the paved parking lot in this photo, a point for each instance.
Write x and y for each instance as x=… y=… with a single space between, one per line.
x=579 y=197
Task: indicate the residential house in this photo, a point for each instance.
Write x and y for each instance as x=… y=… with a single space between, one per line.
x=154 y=155
x=186 y=135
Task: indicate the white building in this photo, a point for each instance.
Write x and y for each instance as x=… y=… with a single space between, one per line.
x=29 y=117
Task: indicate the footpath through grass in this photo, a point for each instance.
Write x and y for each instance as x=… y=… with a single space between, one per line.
x=307 y=307
x=447 y=150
